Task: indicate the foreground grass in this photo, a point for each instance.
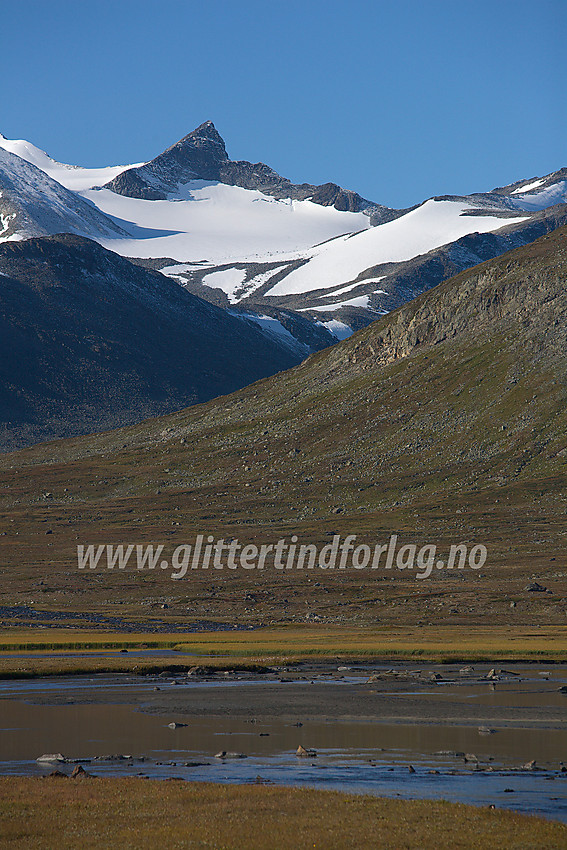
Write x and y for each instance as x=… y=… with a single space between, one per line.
x=263 y=647
x=135 y=813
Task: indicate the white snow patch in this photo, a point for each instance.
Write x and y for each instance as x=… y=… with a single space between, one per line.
x=361 y=301
x=229 y=280
x=338 y=329
x=528 y=187
x=5 y=220
x=358 y=283
x=179 y=268
x=274 y=328
x=431 y=225
x=177 y=271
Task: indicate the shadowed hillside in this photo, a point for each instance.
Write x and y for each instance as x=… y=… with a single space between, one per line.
x=89 y=341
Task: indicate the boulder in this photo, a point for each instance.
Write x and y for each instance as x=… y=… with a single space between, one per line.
x=228 y=755
x=535 y=587
x=80 y=773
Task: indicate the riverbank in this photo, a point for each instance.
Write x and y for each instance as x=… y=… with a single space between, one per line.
x=470 y=734
x=409 y=693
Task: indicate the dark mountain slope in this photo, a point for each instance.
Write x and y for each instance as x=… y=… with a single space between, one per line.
x=89 y=341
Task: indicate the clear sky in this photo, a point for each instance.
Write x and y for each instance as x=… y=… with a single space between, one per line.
x=397 y=99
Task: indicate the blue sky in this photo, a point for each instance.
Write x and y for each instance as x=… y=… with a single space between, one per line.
x=397 y=99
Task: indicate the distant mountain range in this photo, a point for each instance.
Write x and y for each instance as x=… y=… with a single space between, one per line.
x=92 y=341
x=240 y=235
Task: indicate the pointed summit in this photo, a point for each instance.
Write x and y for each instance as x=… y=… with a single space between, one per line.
x=202 y=151
x=199 y=155
x=206 y=130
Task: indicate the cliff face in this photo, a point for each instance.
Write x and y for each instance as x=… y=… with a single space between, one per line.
x=523 y=292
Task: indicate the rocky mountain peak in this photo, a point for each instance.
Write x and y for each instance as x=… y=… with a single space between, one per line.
x=201 y=155
x=203 y=151
x=206 y=130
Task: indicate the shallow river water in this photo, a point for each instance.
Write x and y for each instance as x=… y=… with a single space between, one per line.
x=118 y=737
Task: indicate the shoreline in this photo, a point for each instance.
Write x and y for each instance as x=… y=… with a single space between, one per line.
x=409 y=694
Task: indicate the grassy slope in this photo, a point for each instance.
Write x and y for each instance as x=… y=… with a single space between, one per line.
x=132 y=813
x=444 y=422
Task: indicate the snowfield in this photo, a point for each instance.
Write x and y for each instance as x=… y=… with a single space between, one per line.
x=554 y=194
x=527 y=187
x=431 y=225
x=337 y=328
x=229 y=280
x=221 y=224
x=361 y=301
x=273 y=327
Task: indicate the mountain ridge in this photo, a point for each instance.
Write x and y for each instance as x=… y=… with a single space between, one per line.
x=201 y=155
x=262 y=249
x=33 y=204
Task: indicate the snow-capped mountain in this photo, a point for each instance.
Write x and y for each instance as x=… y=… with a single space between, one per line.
x=242 y=236
x=34 y=204
x=71 y=176
x=201 y=155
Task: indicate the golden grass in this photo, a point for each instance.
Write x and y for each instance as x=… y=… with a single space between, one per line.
x=49 y=640
x=428 y=643
x=264 y=647
x=136 y=813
